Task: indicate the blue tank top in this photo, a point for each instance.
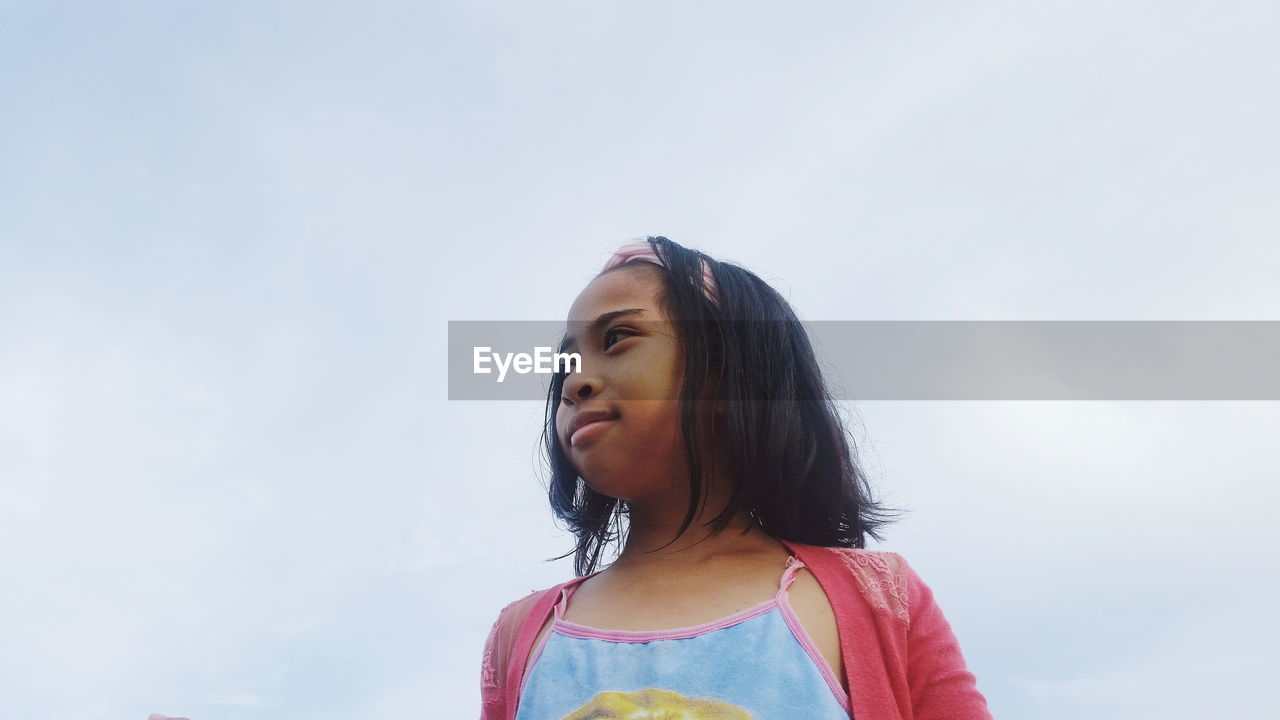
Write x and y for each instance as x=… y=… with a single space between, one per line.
x=757 y=664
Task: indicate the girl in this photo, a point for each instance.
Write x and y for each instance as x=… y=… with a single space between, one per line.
x=743 y=589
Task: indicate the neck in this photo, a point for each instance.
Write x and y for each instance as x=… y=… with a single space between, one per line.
x=653 y=526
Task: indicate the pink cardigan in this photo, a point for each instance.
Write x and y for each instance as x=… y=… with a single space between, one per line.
x=902 y=661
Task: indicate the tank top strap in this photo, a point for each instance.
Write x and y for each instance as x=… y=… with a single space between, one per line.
x=789 y=574
x=559 y=608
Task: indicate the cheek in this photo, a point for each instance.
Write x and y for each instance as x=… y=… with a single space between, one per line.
x=656 y=425
x=562 y=423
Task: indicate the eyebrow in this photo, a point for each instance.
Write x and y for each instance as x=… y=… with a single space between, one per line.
x=570 y=342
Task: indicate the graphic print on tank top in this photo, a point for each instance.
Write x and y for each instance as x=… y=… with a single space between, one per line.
x=757 y=664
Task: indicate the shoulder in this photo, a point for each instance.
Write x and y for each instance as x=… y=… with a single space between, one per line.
x=880 y=565
x=517 y=609
x=504 y=634
x=884 y=578
x=511 y=619
x=514 y=613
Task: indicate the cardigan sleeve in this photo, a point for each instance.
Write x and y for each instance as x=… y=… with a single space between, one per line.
x=493 y=667
x=942 y=688
x=499 y=650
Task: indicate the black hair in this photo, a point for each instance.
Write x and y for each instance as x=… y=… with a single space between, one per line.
x=779 y=428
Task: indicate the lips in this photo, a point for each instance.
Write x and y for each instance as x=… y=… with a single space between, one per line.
x=584 y=419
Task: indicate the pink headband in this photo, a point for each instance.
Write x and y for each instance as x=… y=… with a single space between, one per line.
x=643 y=252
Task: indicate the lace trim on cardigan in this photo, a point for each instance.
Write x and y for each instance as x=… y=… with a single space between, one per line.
x=488 y=672
x=499 y=648
x=878 y=573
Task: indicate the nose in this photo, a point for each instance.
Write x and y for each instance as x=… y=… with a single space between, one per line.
x=579 y=386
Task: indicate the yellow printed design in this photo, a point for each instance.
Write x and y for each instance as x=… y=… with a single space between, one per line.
x=655 y=704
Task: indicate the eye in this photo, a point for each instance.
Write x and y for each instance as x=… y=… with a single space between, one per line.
x=611 y=333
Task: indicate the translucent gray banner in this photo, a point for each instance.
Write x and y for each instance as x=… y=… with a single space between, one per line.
x=948 y=360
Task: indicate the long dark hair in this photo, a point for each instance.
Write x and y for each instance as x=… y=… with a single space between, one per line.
x=778 y=426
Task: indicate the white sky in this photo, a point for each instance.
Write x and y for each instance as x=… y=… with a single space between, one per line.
x=231 y=237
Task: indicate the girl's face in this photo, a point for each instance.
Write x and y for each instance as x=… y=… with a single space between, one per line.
x=632 y=366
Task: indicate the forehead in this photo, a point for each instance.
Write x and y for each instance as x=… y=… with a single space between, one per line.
x=629 y=287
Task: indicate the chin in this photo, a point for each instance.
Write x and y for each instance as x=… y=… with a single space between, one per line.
x=604 y=482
